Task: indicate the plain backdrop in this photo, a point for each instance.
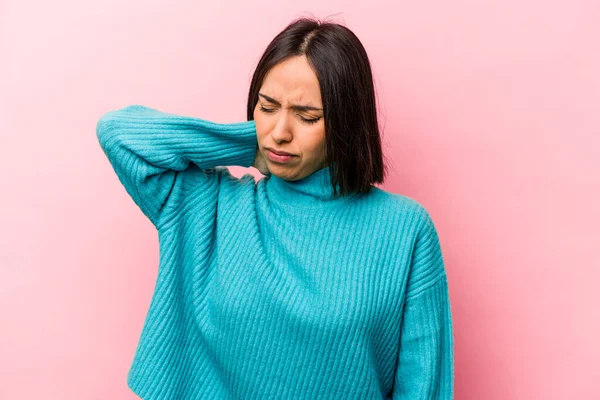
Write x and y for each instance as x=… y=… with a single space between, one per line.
x=490 y=114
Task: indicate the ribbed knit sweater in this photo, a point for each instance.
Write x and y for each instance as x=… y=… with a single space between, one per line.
x=274 y=289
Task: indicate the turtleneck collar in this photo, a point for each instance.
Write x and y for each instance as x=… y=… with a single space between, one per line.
x=314 y=189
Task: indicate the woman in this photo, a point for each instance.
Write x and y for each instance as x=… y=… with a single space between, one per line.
x=308 y=284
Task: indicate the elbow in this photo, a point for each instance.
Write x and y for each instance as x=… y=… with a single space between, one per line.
x=110 y=120
x=105 y=128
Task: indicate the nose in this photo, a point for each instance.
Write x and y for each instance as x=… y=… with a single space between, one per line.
x=283 y=127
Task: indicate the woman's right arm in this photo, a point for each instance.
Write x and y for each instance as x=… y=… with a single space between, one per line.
x=150 y=150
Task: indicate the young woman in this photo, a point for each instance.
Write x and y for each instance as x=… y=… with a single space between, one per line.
x=311 y=283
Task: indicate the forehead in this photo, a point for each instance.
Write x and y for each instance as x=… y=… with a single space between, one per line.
x=293 y=80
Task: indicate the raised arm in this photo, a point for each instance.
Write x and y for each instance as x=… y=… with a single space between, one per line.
x=426 y=360
x=152 y=153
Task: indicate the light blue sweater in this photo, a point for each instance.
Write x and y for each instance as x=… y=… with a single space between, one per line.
x=274 y=289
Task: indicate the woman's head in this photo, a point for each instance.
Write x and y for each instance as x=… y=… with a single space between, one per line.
x=312 y=95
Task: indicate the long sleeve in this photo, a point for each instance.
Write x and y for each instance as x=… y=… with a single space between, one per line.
x=153 y=153
x=426 y=360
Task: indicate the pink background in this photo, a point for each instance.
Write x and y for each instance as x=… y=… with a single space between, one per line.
x=491 y=118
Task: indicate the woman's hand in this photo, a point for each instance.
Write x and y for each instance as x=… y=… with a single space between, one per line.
x=260 y=163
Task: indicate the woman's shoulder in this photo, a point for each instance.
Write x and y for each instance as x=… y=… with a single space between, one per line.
x=399 y=202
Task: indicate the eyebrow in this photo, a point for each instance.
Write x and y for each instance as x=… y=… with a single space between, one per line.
x=294 y=106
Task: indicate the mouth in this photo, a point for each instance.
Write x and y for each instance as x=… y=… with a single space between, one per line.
x=279 y=153
x=279 y=158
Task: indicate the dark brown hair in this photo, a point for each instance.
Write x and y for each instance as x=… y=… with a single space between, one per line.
x=340 y=62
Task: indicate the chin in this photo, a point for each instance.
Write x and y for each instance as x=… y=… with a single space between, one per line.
x=289 y=173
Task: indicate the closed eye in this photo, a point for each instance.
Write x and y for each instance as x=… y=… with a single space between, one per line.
x=306 y=120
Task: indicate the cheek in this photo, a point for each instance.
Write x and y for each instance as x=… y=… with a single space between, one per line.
x=256 y=115
x=260 y=123
x=319 y=136
x=315 y=139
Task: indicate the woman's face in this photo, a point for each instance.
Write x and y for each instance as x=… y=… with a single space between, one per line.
x=289 y=118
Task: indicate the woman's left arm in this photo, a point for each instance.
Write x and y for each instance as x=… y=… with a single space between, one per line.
x=426 y=361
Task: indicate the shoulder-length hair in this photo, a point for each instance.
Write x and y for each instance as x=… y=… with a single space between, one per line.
x=340 y=62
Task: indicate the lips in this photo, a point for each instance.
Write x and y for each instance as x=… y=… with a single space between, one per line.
x=280 y=153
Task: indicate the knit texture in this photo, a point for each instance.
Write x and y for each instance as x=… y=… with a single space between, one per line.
x=274 y=289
